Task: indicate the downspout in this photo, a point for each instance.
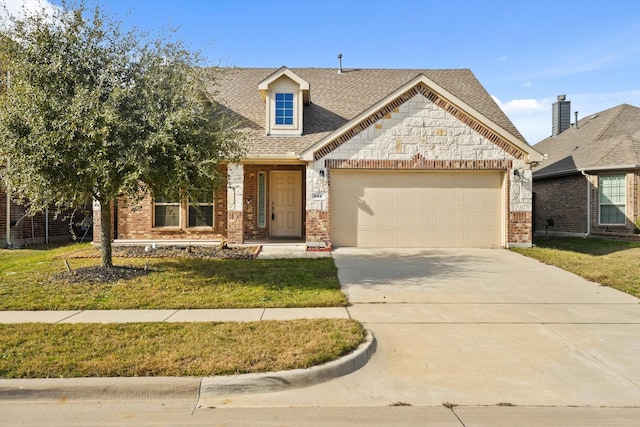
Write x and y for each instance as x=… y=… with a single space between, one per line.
x=588 y=203
x=46 y=225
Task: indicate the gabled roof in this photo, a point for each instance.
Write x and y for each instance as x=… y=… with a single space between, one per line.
x=339 y=98
x=608 y=140
x=263 y=86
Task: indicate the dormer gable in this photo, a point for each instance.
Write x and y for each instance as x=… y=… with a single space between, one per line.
x=284 y=93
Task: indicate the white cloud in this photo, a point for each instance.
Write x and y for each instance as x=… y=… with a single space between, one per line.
x=522 y=105
x=503 y=58
x=20 y=7
x=527 y=84
x=17 y=6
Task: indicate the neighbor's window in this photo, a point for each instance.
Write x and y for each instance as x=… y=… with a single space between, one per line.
x=284 y=108
x=262 y=200
x=166 y=212
x=612 y=199
x=201 y=208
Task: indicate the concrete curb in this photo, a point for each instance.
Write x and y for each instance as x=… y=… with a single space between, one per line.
x=120 y=388
x=148 y=388
x=275 y=381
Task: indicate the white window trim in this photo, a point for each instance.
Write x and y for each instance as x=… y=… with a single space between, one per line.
x=600 y=204
x=177 y=204
x=213 y=212
x=293 y=127
x=294 y=108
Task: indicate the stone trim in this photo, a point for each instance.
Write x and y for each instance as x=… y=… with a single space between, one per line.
x=418 y=162
x=420 y=88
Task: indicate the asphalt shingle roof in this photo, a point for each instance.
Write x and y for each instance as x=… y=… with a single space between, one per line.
x=338 y=98
x=606 y=140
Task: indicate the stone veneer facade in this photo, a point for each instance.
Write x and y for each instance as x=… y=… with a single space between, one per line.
x=424 y=133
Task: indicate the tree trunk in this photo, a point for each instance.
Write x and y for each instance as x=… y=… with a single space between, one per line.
x=105 y=235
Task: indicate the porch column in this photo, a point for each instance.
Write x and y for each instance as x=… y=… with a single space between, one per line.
x=235 y=196
x=317 y=203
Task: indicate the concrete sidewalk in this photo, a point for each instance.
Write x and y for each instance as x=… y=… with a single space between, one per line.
x=201 y=315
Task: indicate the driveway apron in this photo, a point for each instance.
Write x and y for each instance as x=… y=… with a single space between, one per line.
x=479 y=327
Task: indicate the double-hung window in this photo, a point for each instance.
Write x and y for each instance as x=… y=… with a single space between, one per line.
x=284 y=109
x=201 y=208
x=612 y=199
x=166 y=211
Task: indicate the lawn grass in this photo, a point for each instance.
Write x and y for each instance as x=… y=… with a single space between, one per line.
x=608 y=262
x=27 y=282
x=35 y=350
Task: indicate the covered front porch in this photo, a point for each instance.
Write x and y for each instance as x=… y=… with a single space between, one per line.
x=266 y=202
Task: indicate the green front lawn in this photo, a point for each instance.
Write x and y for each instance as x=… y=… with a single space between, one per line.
x=608 y=262
x=35 y=350
x=28 y=282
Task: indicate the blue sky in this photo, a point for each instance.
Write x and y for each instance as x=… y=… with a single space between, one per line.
x=524 y=52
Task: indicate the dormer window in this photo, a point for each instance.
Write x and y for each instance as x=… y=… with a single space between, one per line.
x=285 y=93
x=284 y=109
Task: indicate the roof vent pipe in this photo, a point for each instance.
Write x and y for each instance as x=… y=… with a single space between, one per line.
x=576 y=113
x=340 y=63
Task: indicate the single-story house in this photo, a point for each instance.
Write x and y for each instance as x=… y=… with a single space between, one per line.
x=589 y=182
x=358 y=157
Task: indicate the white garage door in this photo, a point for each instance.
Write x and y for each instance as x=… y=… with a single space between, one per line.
x=416 y=209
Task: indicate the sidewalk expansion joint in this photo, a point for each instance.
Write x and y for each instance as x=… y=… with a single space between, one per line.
x=70 y=316
x=171 y=315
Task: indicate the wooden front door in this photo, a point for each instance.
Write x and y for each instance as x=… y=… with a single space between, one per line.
x=286 y=204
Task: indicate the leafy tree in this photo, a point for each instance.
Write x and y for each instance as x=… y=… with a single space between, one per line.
x=93 y=112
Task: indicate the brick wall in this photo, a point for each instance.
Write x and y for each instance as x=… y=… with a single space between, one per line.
x=318 y=226
x=97 y=221
x=136 y=222
x=565 y=200
x=519 y=228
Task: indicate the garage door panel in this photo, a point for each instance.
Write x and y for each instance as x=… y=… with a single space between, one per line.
x=410 y=209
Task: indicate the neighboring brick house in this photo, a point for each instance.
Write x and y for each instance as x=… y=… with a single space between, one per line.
x=589 y=182
x=363 y=157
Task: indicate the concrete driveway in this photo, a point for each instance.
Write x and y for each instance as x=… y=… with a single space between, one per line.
x=479 y=327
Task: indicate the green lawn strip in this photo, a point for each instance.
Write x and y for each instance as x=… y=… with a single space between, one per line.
x=27 y=283
x=608 y=262
x=35 y=350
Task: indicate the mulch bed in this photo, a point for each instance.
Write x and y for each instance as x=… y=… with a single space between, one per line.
x=98 y=275
x=206 y=252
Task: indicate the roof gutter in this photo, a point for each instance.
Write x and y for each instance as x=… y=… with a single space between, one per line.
x=583 y=170
x=611 y=168
x=288 y=159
